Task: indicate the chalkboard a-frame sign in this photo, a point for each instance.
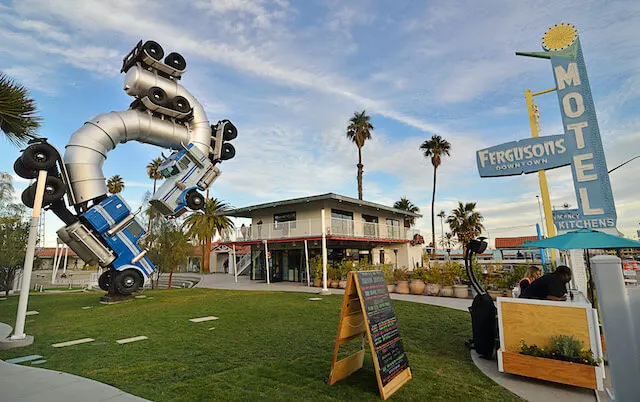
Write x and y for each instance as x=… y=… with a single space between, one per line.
x=367 y=311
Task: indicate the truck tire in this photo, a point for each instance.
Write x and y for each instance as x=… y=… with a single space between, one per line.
x=22 y=171
x=105 y=280
x=228 y=151
x=39 y=157
x=195 y=200
x=128 y=281
x=230 y=131
x=28 y=196
x=153 y=49
x=158 y=96
x=176 y=61
x=54 y=189
x=181 y=104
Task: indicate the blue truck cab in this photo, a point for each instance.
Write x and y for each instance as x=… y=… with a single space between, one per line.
x=119 y=228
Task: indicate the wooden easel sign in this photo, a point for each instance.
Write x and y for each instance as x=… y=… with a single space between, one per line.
x=367 y=311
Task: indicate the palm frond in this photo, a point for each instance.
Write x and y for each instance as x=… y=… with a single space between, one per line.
x=19 y=118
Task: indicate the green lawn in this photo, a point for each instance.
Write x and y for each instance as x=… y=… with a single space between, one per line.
x=266 y=345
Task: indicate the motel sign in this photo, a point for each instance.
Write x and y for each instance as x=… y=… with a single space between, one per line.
x=580 y=146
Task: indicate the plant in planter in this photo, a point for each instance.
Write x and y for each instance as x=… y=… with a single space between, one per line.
x=562 y=347
x=344 y=268
x=449 y=275
x=400 y=276
x=433 y=278
x=460 y=286
x=417 y=284
x=388 y=277
x=315 y=265
x=333 y=274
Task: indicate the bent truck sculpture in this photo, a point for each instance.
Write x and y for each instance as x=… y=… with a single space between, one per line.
x=101 y=228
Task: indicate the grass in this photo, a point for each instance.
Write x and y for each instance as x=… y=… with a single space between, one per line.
x=266 y=345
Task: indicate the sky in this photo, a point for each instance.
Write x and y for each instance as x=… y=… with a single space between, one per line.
x=290 y=74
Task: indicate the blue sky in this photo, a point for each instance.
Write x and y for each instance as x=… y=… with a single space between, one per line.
x=291 y=73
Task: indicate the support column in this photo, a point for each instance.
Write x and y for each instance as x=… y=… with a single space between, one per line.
x=54 y=267
x=306 y=259
x=325 y=290
x=18 y=333
x=235 y=264
x=266 y=261
x=66 y=256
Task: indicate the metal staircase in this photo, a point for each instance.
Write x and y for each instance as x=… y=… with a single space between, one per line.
x=243 y=263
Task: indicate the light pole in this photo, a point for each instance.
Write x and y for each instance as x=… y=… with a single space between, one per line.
x=544 y=232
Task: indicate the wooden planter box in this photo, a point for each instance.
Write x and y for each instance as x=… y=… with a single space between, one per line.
x=579 y=375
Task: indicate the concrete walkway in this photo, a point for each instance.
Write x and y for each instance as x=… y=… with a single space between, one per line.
x=527 y=388
x=19 y=383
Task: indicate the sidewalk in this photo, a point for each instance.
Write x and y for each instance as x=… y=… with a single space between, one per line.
x=529 y=389
x=19 y=383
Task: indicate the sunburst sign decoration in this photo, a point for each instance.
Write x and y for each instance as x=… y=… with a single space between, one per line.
x=559 y=37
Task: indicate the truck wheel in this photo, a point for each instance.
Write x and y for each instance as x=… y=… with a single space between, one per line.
x=157 y=95
x=54 y=189
x=228 y=152
x=128 y=281
x=22 y=171
x=39 y=157
x=195 y=200
x=105 y=280
x=181 y=104
x=230 y=131
x=29 y=196
x=153 y=49
x=176 y=61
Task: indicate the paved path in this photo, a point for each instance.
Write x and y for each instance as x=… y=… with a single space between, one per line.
x=529 y=389
x=20 y=383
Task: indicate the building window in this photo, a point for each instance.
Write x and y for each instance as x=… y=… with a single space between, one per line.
x=341 y=223
x=370 y=225
x=393 y=228
x=284 y=217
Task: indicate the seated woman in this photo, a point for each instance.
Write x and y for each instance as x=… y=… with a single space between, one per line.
x=533 y=273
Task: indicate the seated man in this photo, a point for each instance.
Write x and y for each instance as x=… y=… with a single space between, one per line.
x=551 y=286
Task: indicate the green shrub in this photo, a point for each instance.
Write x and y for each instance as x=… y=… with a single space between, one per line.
x=562 y=347
x=400 y=274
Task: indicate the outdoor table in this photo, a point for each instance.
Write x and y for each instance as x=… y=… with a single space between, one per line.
x=535 y=322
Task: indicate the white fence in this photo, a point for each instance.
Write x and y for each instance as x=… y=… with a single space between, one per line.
x=313 y=227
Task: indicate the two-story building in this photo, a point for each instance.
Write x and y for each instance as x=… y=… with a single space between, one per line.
x=291 y=231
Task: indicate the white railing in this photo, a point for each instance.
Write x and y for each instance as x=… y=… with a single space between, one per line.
x=313 y=227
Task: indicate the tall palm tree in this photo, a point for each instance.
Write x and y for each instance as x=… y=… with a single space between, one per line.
x=435 y=148
x=153 y=172
x=18 y=112
x=448 y=240
x=359 y=131
x=115 y=184
x=442 y=215
x=406 y=205
x=465 y=222
x=204 y=224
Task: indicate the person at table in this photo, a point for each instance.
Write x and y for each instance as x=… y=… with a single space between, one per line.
x=551 y=286
x=533 y=273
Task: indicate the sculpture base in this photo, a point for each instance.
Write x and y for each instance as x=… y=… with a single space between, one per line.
x=9 y=343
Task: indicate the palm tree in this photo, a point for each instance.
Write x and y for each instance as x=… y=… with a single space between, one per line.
x=406 y=205
x=204 y=224
x=18 y=112
x=435 y=148
x=359 y=131
x=442 y=215
x=465 y=222
x=115 y=184
x=152 y=171
x=448 y=240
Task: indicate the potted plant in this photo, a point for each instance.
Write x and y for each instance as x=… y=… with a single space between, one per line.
x=315 y=264
x=333 y=274
x=447 y=280
x=433 y=279
x=460 y=288
x=400 y=276
x=417 y=284
x=388 y=277
x=344 y=269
